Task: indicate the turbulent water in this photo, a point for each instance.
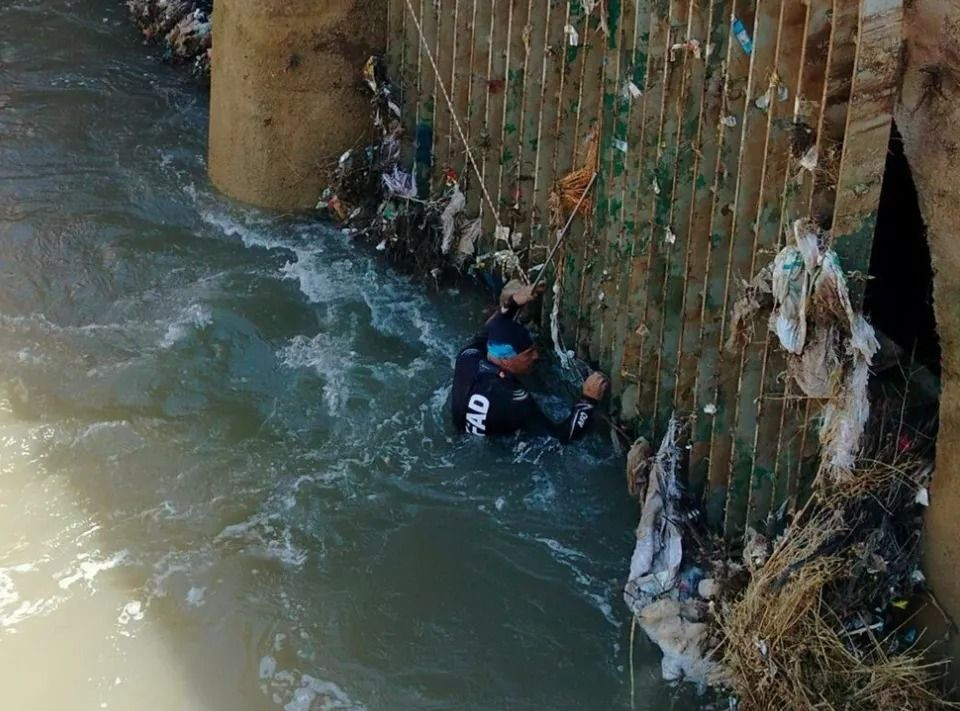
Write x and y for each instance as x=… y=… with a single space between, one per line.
x=227 y=478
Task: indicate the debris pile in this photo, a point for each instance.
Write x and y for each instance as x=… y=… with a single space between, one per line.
x=375 y=197
x=183 y=26
x=818 y=613
x=821 y=617
x=668 y=612
x=827 y=621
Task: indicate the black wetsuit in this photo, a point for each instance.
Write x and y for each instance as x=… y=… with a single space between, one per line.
x=487 y=402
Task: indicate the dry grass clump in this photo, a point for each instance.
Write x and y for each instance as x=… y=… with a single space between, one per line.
x=800 y=635
x=571 y=189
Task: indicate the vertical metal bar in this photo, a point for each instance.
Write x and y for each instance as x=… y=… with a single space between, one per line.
x=742 y=401
x=614 y=147
x=634 y=79
x=768 y=379
x=506 y=118
x=796 y=198
x=679 y=254
x=536 y=142
x=654 y=106
x=709 y=142
x=709 y=454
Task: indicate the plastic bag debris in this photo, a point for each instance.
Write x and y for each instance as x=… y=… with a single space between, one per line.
x=631 y=90
x=691 y=46
x=573 y=37
x=833 y=360
x=506 y=260
x=674 y=627
x=379 y=198
x=756 y=295
x=708 y=588
x=638 y=467
x=400 y=183
x=791 y=283
x=756 y=549
x=793 y=269
x=653 y=590
x=809 y=159
x=503 y=233
x=468 y=239
x=386 y=109
x=448 y=218
x=743 y=37
x=659 y=548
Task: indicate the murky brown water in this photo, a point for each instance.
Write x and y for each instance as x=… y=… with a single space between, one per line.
x=226 y=475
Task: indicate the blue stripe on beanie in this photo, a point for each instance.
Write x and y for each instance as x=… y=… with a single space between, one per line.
x=506 y=338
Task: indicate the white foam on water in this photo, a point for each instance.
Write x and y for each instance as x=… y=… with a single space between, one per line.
x=131 y=612
x=88 y=567
x=268 y=667
x=396 y=307
x=316 y=283
x=596 y=592
x=13 y=610
x=8 y=591
x=266 y=539
x=297 y=691
x=195 y=317
x=26 y=610
x=318 y=695
x=560 y=549
x=195 y=596
x=116 y=436
x=329 y=357
x=231 y=227
x=187 y=562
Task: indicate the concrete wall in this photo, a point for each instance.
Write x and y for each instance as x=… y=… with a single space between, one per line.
x=286 y=94
x=928 y=116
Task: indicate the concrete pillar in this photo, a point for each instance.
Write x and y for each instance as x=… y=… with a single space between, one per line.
x=287 y=96
x=928 y=117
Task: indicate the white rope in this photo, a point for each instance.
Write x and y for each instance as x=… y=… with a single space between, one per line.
x=456 y=122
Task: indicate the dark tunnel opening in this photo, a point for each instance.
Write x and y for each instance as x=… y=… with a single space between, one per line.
x=899 y=296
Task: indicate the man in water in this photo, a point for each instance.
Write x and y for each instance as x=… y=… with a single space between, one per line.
x=488 y=399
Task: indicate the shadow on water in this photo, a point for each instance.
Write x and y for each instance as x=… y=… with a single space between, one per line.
x=249 y=416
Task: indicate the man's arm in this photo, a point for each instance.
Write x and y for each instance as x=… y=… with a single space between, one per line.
x=507 y=310
x=529 y=417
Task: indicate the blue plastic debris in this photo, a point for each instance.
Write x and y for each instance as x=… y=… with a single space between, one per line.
x=689 y=580
x=743 y=37
x=424 y=144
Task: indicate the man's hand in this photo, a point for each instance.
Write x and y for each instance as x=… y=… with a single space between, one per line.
x=526 y=294
x=595 y=386
x=520 y=295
